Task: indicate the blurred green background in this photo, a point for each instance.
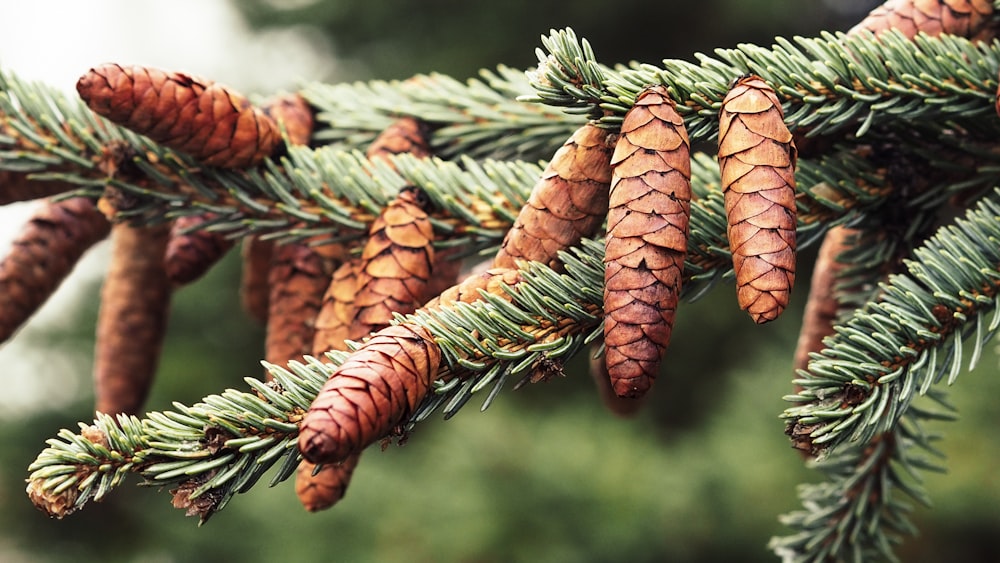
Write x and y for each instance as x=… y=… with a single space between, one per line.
x=546 y=474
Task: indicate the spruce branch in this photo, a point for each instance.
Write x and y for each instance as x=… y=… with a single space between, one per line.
x=224 y=444
x=525 y=333
x=480 y=118
x=909 y=338
x=216 y=448
x=861 y=513
x=855 y=403
x=336 y=193
x=827 y=84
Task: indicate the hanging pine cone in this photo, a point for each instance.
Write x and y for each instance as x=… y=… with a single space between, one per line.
x=757 y=160
x=205 y=120
x=568 y=203
x=132 y=320
x=43 y=254
x=396 y=263
x=192 y=251
x=297 y=279
x=650 y=205
x=821 y=307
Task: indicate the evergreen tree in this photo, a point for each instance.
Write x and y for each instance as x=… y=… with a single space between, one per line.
x=894 y=133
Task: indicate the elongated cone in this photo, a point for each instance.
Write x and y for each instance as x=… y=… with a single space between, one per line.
x=192 y=251
x=821 y=308
x=254 y=291
x=965 y=18
x=378 y=387
x=205 y=120
x=132 y=320
x=396 y=264
x=340 y=318
x=297 y=279
x=43 y=254
x=650 y=206
x=757 y=160
x=568 y=203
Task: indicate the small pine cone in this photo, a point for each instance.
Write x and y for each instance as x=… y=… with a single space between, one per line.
x=757 y=160
x=18 y=186
x=396 y=264
x=292 y=112
x=321 y=490
x=43 y=254
x=405 y=135
x=205 y=120
x=965 y=18
x=132 y=320
x=650 y=206
x=568 y=203
x=378 y=387
x=821 y=308
x=192 y=251
x=297 y=279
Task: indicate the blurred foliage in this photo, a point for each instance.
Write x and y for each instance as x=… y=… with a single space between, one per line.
x=398 y=39
x=546 y=474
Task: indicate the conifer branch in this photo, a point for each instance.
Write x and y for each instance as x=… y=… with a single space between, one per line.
x=480 y=118
x=873 y=104
x=224 y=444
x=858 y=513
x=856 y=407
x=827 y=84
x=899 y=345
